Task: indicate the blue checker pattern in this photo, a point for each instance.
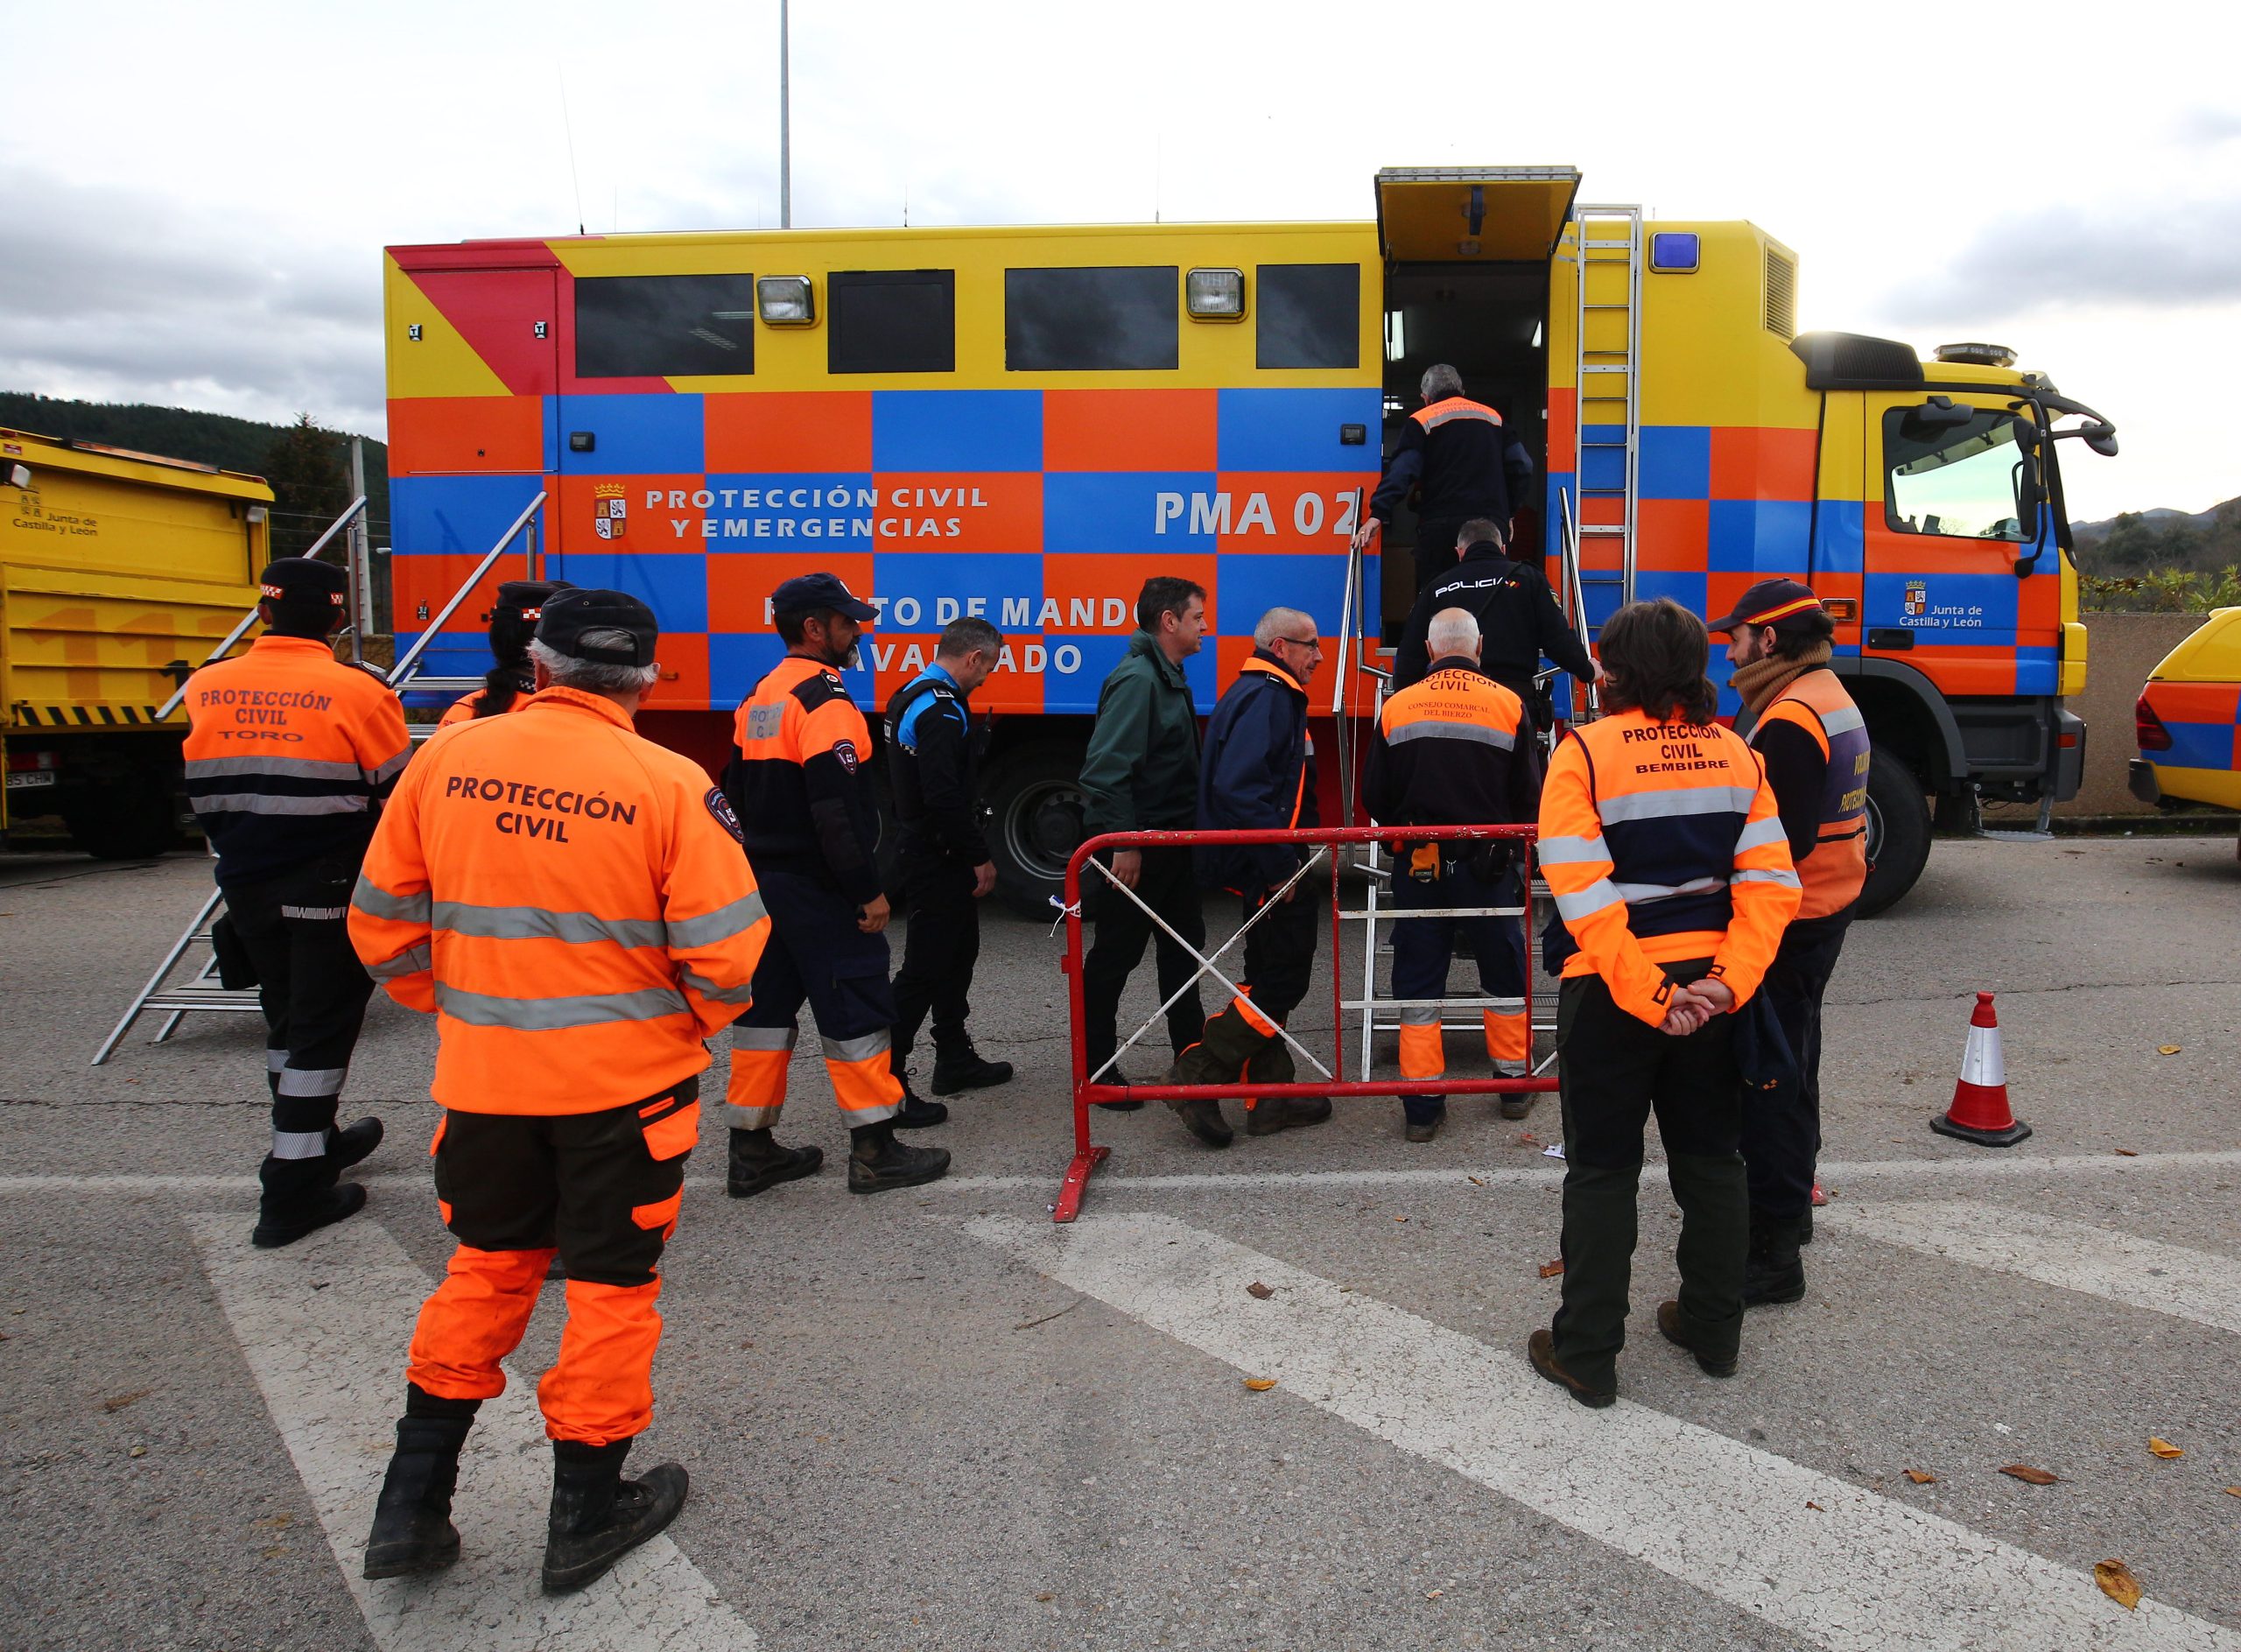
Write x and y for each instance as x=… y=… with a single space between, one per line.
x=957 y=430
x=923 y=592
x=1250 y=586
x=637 y=435
x=1296 y=429
x=1676 y=462
x=1118 y=512
x=1759 y=536
x=673 y=583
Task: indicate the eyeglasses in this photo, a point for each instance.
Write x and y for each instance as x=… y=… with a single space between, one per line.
x=1302 y=642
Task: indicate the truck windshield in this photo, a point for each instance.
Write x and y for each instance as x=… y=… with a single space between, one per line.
x=1962 y=482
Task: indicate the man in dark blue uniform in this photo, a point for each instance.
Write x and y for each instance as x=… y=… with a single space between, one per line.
x=943 y=859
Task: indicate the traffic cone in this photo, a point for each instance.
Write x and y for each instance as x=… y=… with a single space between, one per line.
x=1979 y=1112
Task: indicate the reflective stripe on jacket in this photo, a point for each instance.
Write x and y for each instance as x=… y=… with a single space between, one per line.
x=1660 y=841
x=1257 y=771
x=570 y=901
x=1834 y=870
x=800 y=781
x=287 y=752
x=1454 y=749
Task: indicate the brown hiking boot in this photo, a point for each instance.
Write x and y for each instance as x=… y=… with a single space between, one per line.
x=1271 y=1114
x=1540 y=1348
x=1668 y=1321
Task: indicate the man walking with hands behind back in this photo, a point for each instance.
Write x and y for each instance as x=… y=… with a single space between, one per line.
x=569 y=902
x=1140 y=773
x=1672 y=878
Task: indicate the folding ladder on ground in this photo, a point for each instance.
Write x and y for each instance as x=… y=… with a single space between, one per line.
x=203 y=991
x=1606 y=253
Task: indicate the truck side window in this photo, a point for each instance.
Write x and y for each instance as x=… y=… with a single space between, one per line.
x=656 y=327
x=1110 y=319
x=892 y=321
x=1308 y=315
x=1960 y=480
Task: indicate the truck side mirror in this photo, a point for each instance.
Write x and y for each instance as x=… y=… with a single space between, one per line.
x=2102 y=438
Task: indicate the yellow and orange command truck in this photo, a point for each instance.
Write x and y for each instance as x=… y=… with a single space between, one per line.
x=1023 y=423
x=118 y=572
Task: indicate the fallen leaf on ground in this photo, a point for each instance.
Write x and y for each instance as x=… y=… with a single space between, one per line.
x=1434 y=1594
x=137 y=1451
x=1046 y=1597
x=1400 y=1219
x=2164 y=1448
x=1921 y=1476
x=2233 y=1491
x=1550 y=1269
x=2127 y=1153
x=1810 y=1503
x=1260 y=1385
x=118 y=1401
x=1474 y=1181
x=2029 y=1475
x=2166 y=1049
x=2117 y=1583
x=1526 y=1138
x=1256 y=1288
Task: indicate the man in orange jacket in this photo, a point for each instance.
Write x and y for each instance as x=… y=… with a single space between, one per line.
x=569 y=902
x=289 y=754
x=1814 y=743
x=1672 y=878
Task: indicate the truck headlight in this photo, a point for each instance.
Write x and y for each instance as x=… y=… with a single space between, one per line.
x=785 y=301
x=1215 y=295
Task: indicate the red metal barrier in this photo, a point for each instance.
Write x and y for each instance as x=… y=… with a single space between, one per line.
x=1088 y=1156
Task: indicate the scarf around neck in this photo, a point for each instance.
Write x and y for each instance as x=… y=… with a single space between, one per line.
x=1760 y=681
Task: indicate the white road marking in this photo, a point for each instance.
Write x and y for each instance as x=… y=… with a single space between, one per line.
x=2141 y=1273
x=324 y=1325
x=1823 y=1558
x=1986 y=1166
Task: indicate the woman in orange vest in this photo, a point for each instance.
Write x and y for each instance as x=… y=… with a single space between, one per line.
x=510 y=679
x=1814 y=743
x=1672 y=877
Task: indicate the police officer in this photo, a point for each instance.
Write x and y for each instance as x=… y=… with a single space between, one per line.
x=1517 y=616
x=1458 y=450
x=1672 y=878
x=799 y=780
x=289 y=754
x=569 y=902
x=513 y=621
x=1814 y=743
x=932 y=753
x=1258 y=770
x=1455 y=749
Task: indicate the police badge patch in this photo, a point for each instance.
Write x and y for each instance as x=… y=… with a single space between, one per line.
x=846 y=751
x=721 y=806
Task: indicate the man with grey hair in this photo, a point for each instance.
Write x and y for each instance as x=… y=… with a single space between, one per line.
x=1453 y=449
x=1258 y=770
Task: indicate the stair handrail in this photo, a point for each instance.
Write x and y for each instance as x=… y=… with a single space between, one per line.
x=402 y=672
x=240 y=630
x=1575 y=590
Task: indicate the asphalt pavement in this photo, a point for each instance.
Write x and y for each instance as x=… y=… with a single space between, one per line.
x=934 y=1419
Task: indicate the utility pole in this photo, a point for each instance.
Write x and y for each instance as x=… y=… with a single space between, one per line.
x=362 y=572
x=785 y=131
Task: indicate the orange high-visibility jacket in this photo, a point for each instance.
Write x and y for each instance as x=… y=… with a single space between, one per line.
x=1661 y=842
x=1834 y=869
x=800 y=780
x=570 y=901
x=288 y=751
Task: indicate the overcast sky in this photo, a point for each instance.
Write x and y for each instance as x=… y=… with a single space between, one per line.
x=195 y=197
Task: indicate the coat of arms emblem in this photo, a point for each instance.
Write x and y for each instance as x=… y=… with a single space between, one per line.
x=608 y=518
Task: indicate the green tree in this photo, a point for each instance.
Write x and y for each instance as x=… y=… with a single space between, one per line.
x=311 y=484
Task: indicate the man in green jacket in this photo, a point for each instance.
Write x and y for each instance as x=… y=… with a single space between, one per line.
x=1140 y=774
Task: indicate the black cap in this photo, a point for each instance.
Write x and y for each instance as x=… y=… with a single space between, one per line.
x=1781 y=603
x=523 y=598
x=807 y=592
x=300 y=582
x=603 y=628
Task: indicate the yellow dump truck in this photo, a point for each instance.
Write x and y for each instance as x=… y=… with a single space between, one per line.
x=119 y=572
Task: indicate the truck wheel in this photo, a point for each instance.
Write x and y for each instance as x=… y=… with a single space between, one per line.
x=123 y=823
x=1034 y=804
x=1898 y=832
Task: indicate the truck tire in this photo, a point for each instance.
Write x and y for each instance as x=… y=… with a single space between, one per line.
x=122 y=822
x=1035 y=808
x=1898 y=832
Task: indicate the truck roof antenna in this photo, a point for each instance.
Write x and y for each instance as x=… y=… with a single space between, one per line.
x=568 y=127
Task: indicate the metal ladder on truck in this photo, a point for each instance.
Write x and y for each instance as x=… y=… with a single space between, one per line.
x=1606 y=253
x=203 y=991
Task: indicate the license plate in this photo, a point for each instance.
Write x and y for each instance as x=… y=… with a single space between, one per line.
x=30 y=779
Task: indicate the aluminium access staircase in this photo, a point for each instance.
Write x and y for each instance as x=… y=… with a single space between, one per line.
x=1605 y=250
x=203 y=991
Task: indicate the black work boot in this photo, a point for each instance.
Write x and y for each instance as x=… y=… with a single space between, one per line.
x=1113 y=1075
x=1774 y=1272
x=963 y=1069
x=598 y=1517
x=346 y=1147
x=917 y=1112
x=412 y=1523
x=296 y=1203
x=879 y=1163
x=1273 y=1064
x=757 y=1162
x=1675 y=1328
x=1224 y=1048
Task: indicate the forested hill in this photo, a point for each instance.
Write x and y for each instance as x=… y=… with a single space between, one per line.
x=309 y=468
